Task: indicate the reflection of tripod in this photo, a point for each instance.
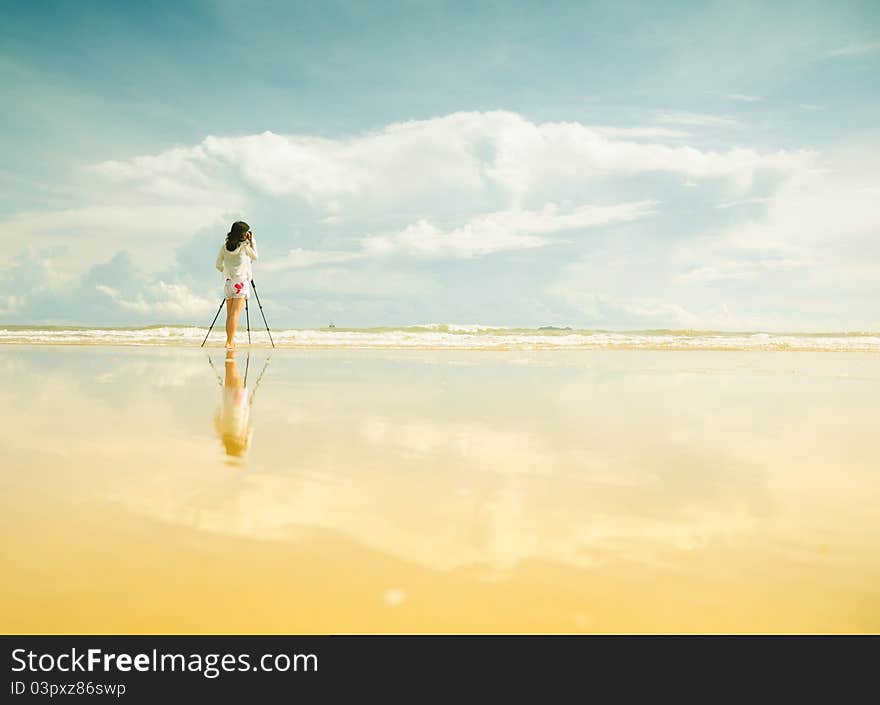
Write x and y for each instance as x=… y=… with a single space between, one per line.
x=232 y=419
x=247 y=365
x=247 y=314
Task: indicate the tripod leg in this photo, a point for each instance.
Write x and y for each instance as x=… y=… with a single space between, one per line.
x=254 y=287
x=212 y=323
x=247 y=316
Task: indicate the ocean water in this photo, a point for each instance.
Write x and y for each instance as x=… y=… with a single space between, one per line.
x=454 y=337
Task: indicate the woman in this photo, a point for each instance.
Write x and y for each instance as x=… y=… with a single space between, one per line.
x=233 y=417
x=234 y=262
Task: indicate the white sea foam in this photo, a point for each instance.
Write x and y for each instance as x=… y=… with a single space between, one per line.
x=451 y=336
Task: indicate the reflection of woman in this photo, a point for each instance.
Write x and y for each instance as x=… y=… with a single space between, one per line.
x=233 y=417
x=234 y=261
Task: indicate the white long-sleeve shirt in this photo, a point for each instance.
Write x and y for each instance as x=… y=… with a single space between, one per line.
x=236 y=265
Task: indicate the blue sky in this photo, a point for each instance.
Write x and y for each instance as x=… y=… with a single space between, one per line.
x=602 y=165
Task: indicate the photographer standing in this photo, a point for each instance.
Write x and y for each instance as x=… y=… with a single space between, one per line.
x=234 y=262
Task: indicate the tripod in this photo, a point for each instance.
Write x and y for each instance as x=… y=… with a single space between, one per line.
x=247 y=318
x=254 y=287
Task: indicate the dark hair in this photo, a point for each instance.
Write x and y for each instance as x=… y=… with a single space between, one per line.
x=236 y=234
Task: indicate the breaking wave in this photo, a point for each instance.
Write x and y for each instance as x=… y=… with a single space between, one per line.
x=453 y=336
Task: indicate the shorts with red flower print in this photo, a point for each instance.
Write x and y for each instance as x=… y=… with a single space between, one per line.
x=236 y=289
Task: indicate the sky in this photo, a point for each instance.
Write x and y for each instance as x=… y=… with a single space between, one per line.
x=604 y=165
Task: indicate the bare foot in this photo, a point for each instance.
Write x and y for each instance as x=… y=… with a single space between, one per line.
x=230 y=346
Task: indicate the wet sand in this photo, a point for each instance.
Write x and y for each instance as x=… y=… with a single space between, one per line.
x=438 y=491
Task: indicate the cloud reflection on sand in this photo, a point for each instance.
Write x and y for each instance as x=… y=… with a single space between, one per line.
x=645 y=464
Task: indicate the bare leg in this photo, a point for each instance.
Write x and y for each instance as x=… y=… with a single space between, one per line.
x=233 y=311
x=233 y=379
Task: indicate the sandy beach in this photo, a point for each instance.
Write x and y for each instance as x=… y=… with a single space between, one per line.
x=438 y=491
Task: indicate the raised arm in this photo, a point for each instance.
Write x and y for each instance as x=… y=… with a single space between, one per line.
x=250 y=248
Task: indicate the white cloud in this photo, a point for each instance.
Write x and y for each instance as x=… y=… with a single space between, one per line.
x=743 y=97
x=742 y=270
x=600 y=309
x=495 y=232
x=450 y=161
x=826 y=220
x=180 y=173
x=855 y=49
x=165 y=221
x=483 y=235
x=472 y=240
x=162 y=298
x=640 y=132
x=742 y=202
x=383 y=283
x=109 y=291
x=808 y=260
x=697 y=119
x=812 y=254
x=464 y=185
x=299 y=258
x=94 y=233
